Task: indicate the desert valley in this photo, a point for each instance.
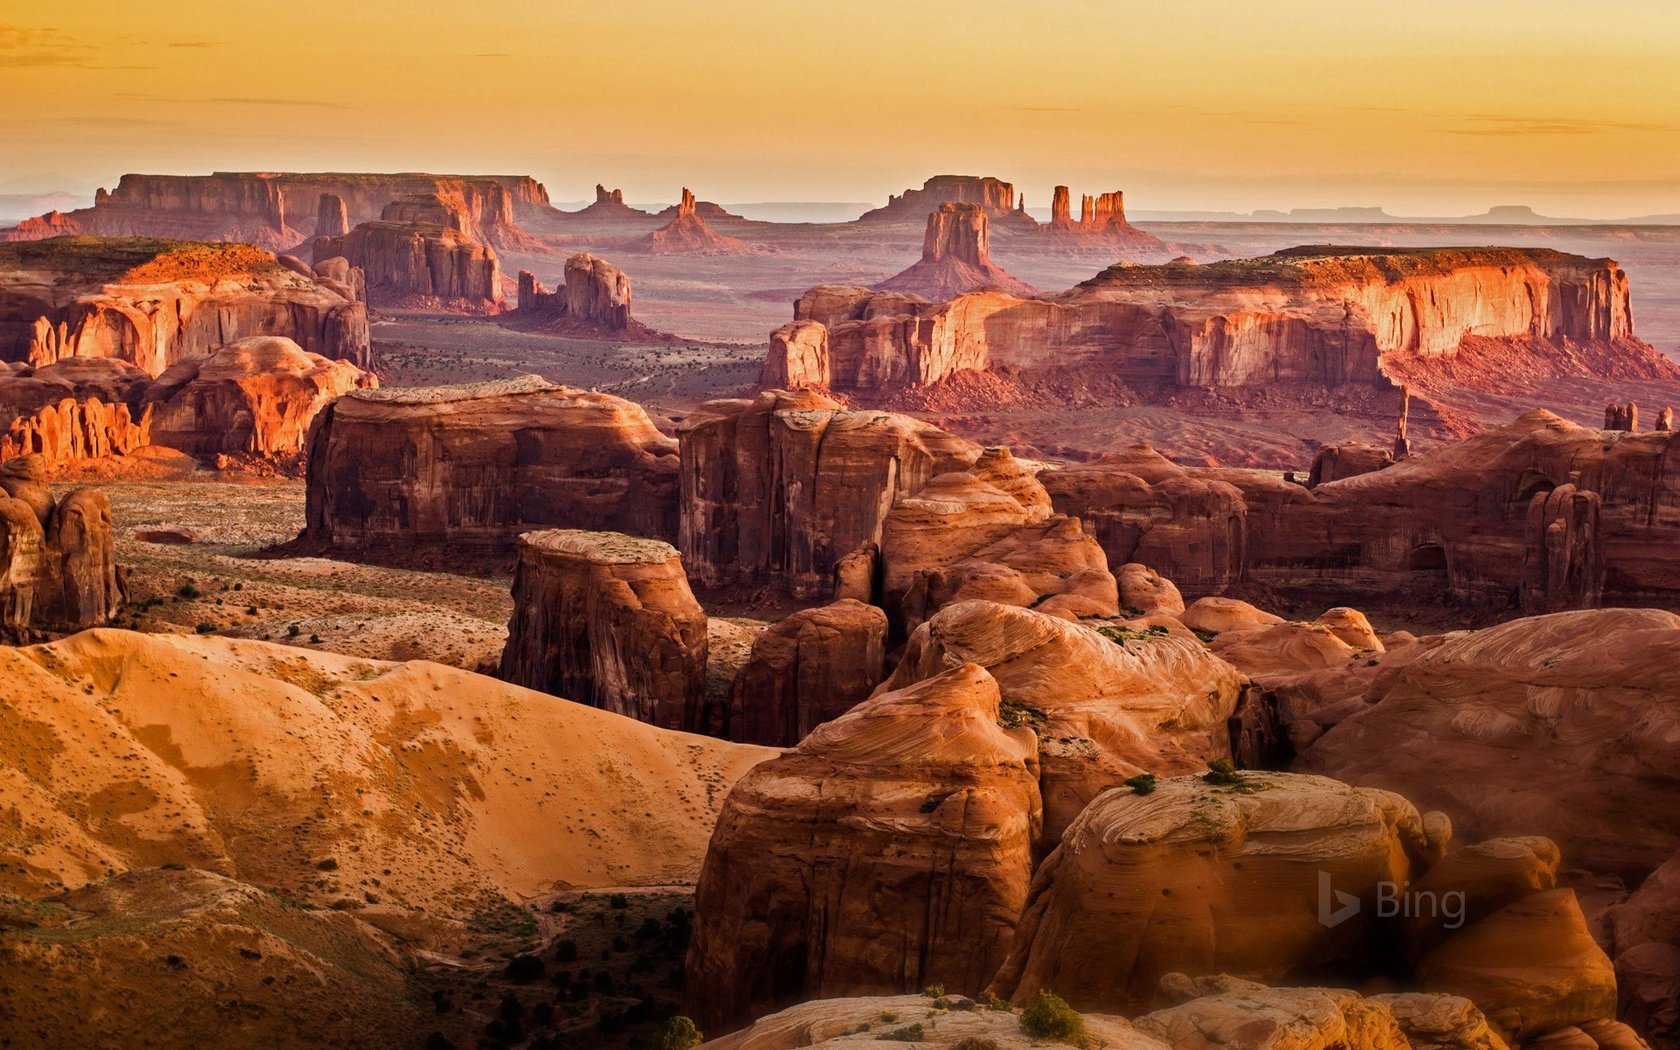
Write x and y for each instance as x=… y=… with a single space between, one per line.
x=439 y=616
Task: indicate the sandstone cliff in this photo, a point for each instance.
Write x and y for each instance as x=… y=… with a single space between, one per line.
x=421 y=253
x=472 y=467
x=153 y=303
x=956 y=258
x=76 y=408
x=58 y=568
x=257 y=396
x=608 y=620
x=995 y=196
x=778 y=489
x=595 y=301
x=809 y=667
x=689 y=234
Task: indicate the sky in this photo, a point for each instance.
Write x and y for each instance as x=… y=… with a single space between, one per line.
x=1426 y=107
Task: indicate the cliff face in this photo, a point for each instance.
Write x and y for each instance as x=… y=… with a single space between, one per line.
x=271 y=210
x=58 y=556
x=472 y=467
x=594 y=300
x=421 y=250
x=779 y=489
x=78 y=408
x=608 y=620
x=995 y=196
x=153 y=303
x=1319 y=315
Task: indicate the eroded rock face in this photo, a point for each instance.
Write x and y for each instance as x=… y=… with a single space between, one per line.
x=1346 y=460
x=1537 y=726
x=1645 y=940
x=153 y=303
x=1334 y=316
x=809 y=667
x=956 y=257
x=994 y=196
x=778 y=489
x=472 y=467
x=595 y=300
x=58 y=568
x=798 y=358
x=689 y=234
x=1205 y=879
x=608 y=620
x=332 y=219
x=255 y=396
x=914 y=797
x=420 y=253
x=1105 y=706
x=77 y=408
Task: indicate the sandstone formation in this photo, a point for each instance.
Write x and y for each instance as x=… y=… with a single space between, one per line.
x=469 y=468
x=260 y=208
x=153 y=303
x=989 y=533
x=994 y=196
x=779 y=488
x=420 y=253
x=1204 y=878
x=595 y=301
x=798 y=358
x=808 y=668
x=257 y=396
x=1318 y=315
x=956 y=258
x=1101 y=224
x=688 y=234
x=608 y=620
x=1645 y=940
x=76 y=408
x=1346 y=460
x=915 y=816
x=1552 y=725
x=58 y=567
x=1106 y=702
x=332 y=219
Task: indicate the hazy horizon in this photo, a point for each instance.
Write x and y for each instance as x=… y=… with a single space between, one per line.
x=1430 y=109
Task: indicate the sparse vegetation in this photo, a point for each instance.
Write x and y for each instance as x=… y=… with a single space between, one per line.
x=1221 y=772
x=1142 y=784
x=910 y=1033
x=680 y=1033
x=1050 y=1017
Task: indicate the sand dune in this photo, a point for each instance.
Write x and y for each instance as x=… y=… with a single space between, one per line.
x=409 y=785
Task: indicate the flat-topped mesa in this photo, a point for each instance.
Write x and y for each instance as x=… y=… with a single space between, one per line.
x=776 y=490
x=994 y=196
x=420 y=253
x=258 y=207
x=58 y=568
x=469 y=468
x=257 y=397
x=956 y=257
x=152 y=303
x=76 y=408
x=688 y=234
x=608 y=620
x=1324 y=315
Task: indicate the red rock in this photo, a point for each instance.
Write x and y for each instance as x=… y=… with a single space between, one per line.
x=994 y=195
x=332 y=218
x=798 y=358
x=1346 y=460
x=595 y=301
x=153 y=303
x=256 y=396
x=77 y=408
x=469 y=468
x=420 y=253
x=956 y=258
x=889 y=851
x=608 y=620
x=688 y=234
x=58 y=567
x=809 y=667
x=778 y=489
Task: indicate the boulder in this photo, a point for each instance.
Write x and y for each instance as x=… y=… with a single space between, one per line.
x=257 y=396
x=889 y=851
x=469 y=468
x=809 y=667
x=608 y=620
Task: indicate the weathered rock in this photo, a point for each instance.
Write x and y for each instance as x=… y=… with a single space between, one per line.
x=469 y=468
x=994 y=196
x=688 y=234
x=809 y=667
x=1243 y=1015
x=332 y=219
x=256 y=396
x=77 y=408
x=153 y=303
x=1645 y=941
x=1106 y=703
x=1145 y=592
x=1346 y=460
x=420 y=253
x=798 y=358
x=891 y=850
x=58 y=567
x=1201 y=878
x=344 y=278
x=779 y=488
x=608 y=620
x=956 y=257
x=595 y=301
x=1533 y=727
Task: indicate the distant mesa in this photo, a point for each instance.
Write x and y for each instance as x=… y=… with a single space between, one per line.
x=1102 y=222
x=420 y=253
x=594 y=302
x=994 y=196
x=261 y=208
x=956 y=257
x=689 y=234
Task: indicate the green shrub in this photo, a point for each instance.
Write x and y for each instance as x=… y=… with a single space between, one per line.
x=680 y=1033
x=205 y=628
x=1221 y=771
x=1142 y=784
x=1050 y=1017
x=910 y=1033
x=189 y=591
x=934 y=991
x=292 y=631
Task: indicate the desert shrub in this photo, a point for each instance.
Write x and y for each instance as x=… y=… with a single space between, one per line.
x=976 y=1042
x=205 y=628
x=1221 y=771
x=934 y=991
x=619 y=900
x=910 y=1033
x=1142 y=784
x=524 y=968
x=1050 y=1017
x=188 y=590
x=680 y=1033
x=566 y=951
x=292 y=631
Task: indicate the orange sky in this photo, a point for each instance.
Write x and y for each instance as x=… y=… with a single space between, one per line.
x=1426 y=107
